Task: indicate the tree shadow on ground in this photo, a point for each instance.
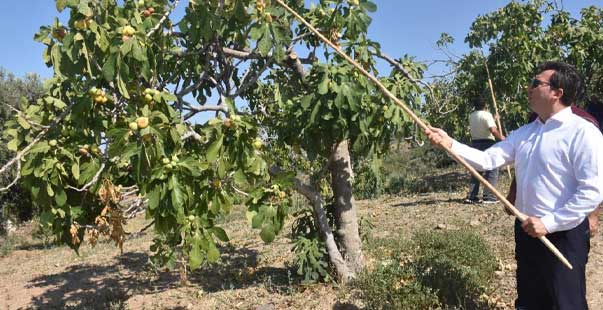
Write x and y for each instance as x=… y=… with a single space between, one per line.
x=238 y=269
x=93 y=286
x=109 y=285
x=451 y=181
x=344 y=306
x=427 y=202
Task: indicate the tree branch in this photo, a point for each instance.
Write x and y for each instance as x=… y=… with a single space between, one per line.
x=30 y=122
x=92 y=182
x=163 y=18
x=17 y=177
x=401 y=68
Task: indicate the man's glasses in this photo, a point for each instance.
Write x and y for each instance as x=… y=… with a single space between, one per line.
x=536 y=82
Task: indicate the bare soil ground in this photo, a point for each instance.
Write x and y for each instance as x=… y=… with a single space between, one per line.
x=252 y=275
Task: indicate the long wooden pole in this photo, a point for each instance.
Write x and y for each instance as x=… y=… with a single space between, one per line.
x=522 y=217
x=495 y=108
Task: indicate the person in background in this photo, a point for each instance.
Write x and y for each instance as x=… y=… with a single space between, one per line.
x=483 y=134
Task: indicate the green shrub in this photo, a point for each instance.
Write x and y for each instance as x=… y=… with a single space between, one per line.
x=434 y=269
x=421 y=170
x=8 y=243
x=368 y=181
x=458 y=265
x=394 y=286
x=311 y=260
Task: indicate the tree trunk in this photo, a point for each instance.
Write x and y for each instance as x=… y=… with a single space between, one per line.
x=335 y=257
x=346 y=219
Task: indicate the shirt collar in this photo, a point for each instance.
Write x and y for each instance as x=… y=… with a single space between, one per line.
x=561 y=117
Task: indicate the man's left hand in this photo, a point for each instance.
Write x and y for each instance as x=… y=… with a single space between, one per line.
x=534 y=227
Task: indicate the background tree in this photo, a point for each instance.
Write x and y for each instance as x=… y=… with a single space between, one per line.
x=118 y=130
x=14 y=203
x=516 y=38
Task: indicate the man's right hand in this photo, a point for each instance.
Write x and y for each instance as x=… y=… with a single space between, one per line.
x=438 y=137
x=593 y=222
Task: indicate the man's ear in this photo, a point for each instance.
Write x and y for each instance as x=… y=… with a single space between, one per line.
x=558 y=93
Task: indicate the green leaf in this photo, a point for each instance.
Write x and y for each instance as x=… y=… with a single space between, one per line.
x=123 y=89
x=138 y=52
x=195 y=257
x=265 y=43
x=84 y=9
x=42 y=35
x=214 y=149
x=369 y=6
x=219 y=233
x=126 y=47
x=60 y=197
x=75 y=170
x=314 y=113
x=177 y=192
x=307 y=101
x=13 y=145
x=23 y=122
x=240 y=178
x=49 y=190
x=154 y=197
x=213 y=254
x=46 y=218
x=323 y=87
x=250 y=215
x=257 y=221
x=267 y=234
x=40 y=147
x=109 y=68
x=87 y=171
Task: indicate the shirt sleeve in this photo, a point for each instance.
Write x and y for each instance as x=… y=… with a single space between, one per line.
x=500 y=154
x=587 y=163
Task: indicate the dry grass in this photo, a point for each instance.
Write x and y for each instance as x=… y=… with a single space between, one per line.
x=251 y=275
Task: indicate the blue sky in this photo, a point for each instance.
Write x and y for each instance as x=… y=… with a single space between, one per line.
x=402 y=27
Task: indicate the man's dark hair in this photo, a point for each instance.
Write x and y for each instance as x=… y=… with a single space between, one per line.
x=566 y=77
x=479 y=103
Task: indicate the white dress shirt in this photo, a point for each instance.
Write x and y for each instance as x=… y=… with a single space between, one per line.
x=558 y=167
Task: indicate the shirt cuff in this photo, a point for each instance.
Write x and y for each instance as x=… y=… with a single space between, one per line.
x=455 y=146
x=549 y=223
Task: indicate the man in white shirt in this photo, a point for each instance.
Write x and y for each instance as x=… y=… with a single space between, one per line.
x=483 y=133
x=559 y=165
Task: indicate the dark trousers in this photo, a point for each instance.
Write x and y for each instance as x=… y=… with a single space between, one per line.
x=490 y=175
x=543 y=282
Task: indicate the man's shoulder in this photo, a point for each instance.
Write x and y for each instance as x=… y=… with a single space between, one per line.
x=582 y=123
x=585 y=115
x=483 y=113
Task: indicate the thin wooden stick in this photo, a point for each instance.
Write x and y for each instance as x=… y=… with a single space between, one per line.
x=522 y=217
x=495 y=107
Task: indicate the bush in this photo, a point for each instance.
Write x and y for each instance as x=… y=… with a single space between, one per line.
x=8 y=244
x=368 y=181
x=433 y=269
x=412 y=170
x=458 y=265
x=394 y=286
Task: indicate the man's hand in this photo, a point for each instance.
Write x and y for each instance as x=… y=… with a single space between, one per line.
x=438 y=137
x=533 y=226
x=593 y=222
